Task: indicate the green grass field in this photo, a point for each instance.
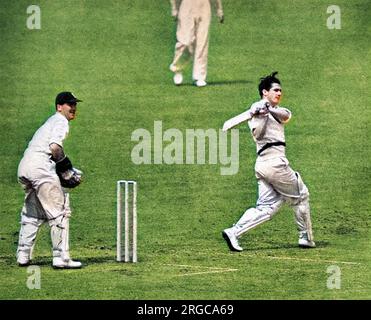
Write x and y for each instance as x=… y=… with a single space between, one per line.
x=114 y=55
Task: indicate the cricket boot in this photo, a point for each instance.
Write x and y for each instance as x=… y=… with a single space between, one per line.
x=178 y=78
x=200 y=83
x=232 y=241
x=59 y=263
x=23 y=259
x=304 y=240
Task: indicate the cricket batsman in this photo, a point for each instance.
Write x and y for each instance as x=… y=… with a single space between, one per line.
x=46 y=173
x=192 y=35
x=278 y=183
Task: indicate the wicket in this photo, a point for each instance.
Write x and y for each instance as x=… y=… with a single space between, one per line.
x=130 y=221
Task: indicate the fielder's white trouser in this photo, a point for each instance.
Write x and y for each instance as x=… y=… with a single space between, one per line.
x=45 y=201
x=192 y=41
x=277 y=183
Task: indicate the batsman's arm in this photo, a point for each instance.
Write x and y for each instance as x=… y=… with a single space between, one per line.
x=282 y=115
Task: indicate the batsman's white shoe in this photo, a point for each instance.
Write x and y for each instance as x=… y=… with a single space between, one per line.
x=304 y=242
x=201 y=83
x=59 y=263
x=231 y=239
x=178 y=78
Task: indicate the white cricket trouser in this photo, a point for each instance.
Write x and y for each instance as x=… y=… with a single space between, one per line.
x=59 y=232
x=193 y=38
x=277 y=183
x=45 y=201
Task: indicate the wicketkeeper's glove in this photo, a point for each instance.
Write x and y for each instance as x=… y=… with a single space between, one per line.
x=69 y=176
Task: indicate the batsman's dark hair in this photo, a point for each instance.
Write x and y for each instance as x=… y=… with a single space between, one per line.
x=266 y=82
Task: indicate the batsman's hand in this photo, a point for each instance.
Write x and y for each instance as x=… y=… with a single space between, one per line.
x=258 y=110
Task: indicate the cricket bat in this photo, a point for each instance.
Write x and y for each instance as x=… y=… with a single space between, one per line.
x=244 y=116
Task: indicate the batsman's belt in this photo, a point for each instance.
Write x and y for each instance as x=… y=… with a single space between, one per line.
x=271 y=144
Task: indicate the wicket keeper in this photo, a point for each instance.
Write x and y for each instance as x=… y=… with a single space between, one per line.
x=45 y=173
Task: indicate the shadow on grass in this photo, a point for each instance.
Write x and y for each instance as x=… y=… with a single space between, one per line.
x=47 y=260
x=97 y=260
x=11 y=261
x=228 y=82
x=280 y=246
x=218 y=83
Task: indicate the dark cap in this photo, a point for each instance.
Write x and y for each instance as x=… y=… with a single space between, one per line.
x=66 y=97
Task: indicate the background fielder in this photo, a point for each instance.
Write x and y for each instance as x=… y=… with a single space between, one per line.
x=192 y=35
x=277 y=182
x=44 y=173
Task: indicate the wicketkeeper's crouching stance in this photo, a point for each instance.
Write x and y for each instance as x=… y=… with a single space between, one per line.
x=277 y=182
x=44 y=172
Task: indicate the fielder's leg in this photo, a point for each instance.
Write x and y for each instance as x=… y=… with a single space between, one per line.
x=182 y=57
x=201 y=51
x=184 y=46
x=181 y=51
